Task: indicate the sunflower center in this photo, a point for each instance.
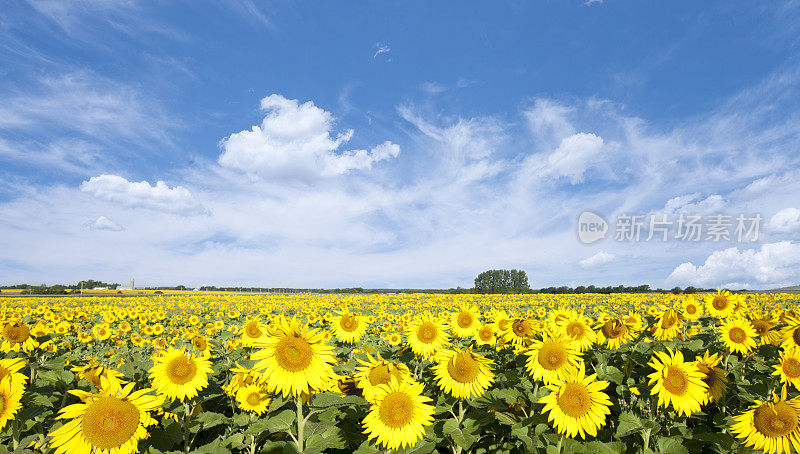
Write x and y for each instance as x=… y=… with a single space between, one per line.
x=676 y=381
x=485 y=333
x=796 y=336
x=574 y=401
x=16 y=333
x=181 y=370
x=464 y=319
x=253 y=399
x=463 y=368
x=293 y=354
x=381 y=374
x=668 y=320
x=711 y=377
x=427 y=332
x=691 y=309
x=552 y=355
x=2 y=404
x=575 y=330
x=776 y=420
x=720 y=302
x=761 y=327
x=791 y=368
x=614 y=329
x=502 y=325
x=737 y=335
x=348 y=322
x=199 y=343
x=397 y=409
x=109 y=422
x=522 y=328
x=252 y=329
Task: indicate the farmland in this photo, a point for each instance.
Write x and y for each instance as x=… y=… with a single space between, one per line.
x=220 y=373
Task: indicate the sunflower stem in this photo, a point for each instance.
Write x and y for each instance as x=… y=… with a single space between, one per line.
x=15 y=434
x=301 y=422
x=560 y=442
x=187 y=411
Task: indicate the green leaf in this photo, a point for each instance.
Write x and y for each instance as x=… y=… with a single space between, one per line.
x=331 y=399
x=598 y=447
x=628 y=424
x=210 y=419
x=671 y=446
x=612 y=374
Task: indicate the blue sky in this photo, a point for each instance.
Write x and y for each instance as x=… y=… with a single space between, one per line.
x=394 y=144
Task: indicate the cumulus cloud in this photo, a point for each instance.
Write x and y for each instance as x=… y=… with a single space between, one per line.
x=295 y=141
x=601 y=258
x=103 y=223
x=785 y=221
x=114 y=188
x=694 y=204
x=576 y=154
x=774 y=265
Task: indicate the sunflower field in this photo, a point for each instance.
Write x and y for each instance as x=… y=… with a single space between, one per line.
x=222 y=373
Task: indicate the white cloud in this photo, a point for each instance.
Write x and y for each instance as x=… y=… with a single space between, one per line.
x=601 y=258
x=381 y=48
x=785 y=221
x=103 y=223
x=114 y=188
x=694 y=204
x=294 y=141
x=576 y=154
x=549 y=119
x=775 y=265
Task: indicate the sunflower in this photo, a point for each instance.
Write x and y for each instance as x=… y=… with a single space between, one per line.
x=17 y=337
x=10 y=368
x=721 y=304
x=502 y=323
x=485 y=335
x=691 y=309
x=179 y=375
x=552 y=359
x=577 y=405
x=577 y=329
x=295 y=359
x=348 y=328
x=378 y=371
x=738 y=335
x=100 y=376
x=426 y=336
x=242 y=378
x=394 y=339
x=522 y=332
x=615 y=332
x=253 y=398
x=677 y=382
x=252 y=332
x=789 y=367
x=201 y=346
x=105 y=422
x=667 y=325
x=399 y=415
x=462 y=373
x=791 y=333
x=714 y=377
x=766 y=334
x=771 y=427
x=465 y=322
x=9 y=400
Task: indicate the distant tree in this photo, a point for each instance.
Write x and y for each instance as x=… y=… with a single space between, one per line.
x=502 y=281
